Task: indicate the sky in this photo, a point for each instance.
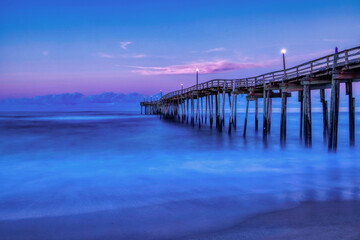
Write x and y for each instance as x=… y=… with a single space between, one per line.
x=91 y=47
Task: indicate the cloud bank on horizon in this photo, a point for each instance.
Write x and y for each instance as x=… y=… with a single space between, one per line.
x=72 y=99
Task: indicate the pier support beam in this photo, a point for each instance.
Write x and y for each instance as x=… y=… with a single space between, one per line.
x=325 y=114
x=265 y=123
x=269 y=111
x=231 y=102
x=178 y=109
x=307 y=115
x=283 y=117
x=198 y=110
x=334 y=108
x=187 y=110
x=246 y=116
x=192 y=111
x=206 y=107
x=223 y=109
x=235 y=111
x=300 y=99
x=349 y=92
x=211 y=106
x=256 y=115
x=202 y=111
x=217 y=99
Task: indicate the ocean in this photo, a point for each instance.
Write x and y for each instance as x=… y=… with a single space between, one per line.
x=122 y=175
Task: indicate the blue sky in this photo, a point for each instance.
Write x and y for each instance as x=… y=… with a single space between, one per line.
x=52 y=47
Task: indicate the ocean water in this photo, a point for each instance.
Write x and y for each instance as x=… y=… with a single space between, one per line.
x=159 y=179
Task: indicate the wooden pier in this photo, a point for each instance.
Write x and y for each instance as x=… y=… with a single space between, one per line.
x=327 y=72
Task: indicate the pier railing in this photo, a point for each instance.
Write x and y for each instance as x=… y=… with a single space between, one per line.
x=345 y=59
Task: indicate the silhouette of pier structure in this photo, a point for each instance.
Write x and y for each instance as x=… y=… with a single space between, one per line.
x=205 y=102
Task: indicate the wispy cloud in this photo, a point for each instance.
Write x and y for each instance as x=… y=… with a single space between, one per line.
x=45 y=53
x=205 y=68
x=220 y=49
x=334 y=40
x=106 y=55
x=125 y=44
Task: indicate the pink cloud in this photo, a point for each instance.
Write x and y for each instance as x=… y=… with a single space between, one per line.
x=205 y=67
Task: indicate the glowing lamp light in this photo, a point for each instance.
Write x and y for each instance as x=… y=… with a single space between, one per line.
x=283 y=51
x=197 y=69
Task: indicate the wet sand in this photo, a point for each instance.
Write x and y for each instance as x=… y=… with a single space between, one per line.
x=309 y=220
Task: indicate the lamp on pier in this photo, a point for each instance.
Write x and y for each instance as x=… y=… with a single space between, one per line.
x=283 y=51
x=197 y=77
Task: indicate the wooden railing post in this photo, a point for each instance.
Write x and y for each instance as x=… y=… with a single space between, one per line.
x=297 y=72
x=327 y=62
x=346 y=58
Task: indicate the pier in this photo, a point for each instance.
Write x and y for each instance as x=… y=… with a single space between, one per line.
x=205 y=102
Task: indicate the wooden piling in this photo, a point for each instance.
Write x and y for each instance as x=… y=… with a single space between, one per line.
x=246 y=116
x=300 y=99
x=201 y=111
x=211 y=105
x=269 y=115
x=217 y=98
x=178 y=109
x=187 y=110
x=283 y=116
x=256 y=115
x=324 y=113
x=223 y=109
x=334 y=108
x=184 y=113
x=235 y=111
x=206 y=107
x=307 y=115
x=192 y=111
x=231 y=102
x=264 y=114
x=349 y=92
x=198 y=110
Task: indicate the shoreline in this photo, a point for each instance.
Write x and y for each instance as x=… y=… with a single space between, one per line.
x=308 y=220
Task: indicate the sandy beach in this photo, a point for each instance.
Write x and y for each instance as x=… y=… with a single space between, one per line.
x=309 y=220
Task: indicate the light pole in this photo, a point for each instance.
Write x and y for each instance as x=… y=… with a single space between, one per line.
x=283 y=51
x=182 y=87
x=197 y=78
